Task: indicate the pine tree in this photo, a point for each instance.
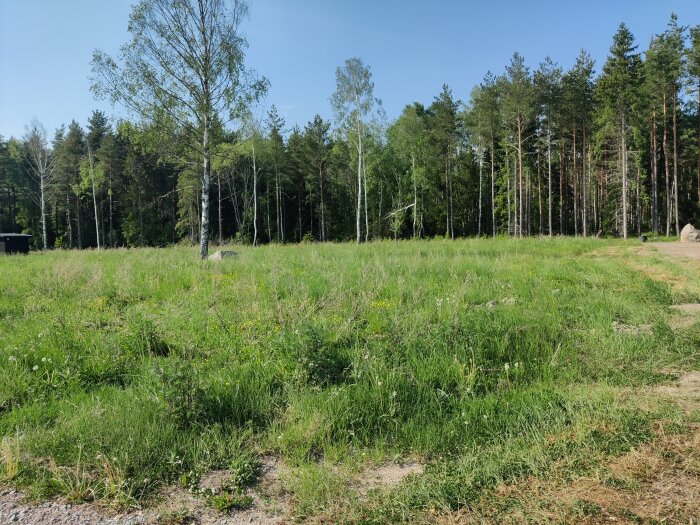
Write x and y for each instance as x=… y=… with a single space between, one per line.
x=618 y=89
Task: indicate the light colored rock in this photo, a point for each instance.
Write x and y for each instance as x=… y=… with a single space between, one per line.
x=690 y=234
x=222 y=254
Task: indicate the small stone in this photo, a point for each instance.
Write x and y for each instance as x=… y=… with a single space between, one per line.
x=223 y=254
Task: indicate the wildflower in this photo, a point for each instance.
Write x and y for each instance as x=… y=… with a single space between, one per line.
x=393 y=394
x=43 y=360
x=35 y=368
x=506 y=366
x=12 y=359
x=517 y=364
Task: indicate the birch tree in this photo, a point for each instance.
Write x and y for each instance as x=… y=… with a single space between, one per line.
x=353 y=104
x=40 y=169
x=185 y=59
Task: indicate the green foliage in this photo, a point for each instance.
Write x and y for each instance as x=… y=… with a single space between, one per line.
x=182 y=393
x=229 y=501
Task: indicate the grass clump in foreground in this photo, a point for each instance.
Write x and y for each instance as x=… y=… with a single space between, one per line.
x=488 y=360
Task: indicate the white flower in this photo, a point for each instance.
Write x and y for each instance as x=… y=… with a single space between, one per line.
x=506 y=366
x=43 y=360
x=12 y=359
x=35 y=368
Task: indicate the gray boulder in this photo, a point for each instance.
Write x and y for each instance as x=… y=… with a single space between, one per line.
x=690 y=234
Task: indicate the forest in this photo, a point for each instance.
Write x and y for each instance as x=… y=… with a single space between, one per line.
x=595 y=150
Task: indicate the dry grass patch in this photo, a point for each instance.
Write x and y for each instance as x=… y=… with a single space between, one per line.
x=655 y=483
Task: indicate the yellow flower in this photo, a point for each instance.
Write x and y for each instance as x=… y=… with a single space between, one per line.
x=380 y=305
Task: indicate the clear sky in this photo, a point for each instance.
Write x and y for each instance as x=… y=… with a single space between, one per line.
x=412 y=47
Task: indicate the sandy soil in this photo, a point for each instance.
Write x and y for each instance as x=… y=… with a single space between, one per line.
x=690 y=250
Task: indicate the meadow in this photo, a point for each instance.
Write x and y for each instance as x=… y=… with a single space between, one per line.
x=484 y=361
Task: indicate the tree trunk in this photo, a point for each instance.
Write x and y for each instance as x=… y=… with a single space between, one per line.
x=364 y=185
x=278 y=206
x=255 y=199
x=447 y=194
x=508 y=196
x=69 y=224
x=520 y=178
x=359 y=186
x=575 y=177
x=269 y=224
x=97 y=221
x=323 y=205
x=539 y=195
x=562 y=200
x=584 y=185
x=42 y=196
x=675 y=163
x=481 y=171
x=415 y=193
x=78 y=222
x=206 y=175
x=698 y=115
x=668 y=175
x=493 y=189
x=549 y=178
x=624 y=177
x=94 y=194
x=221 y=219
x=654 y=177
x=111 y=215
x=639 y=201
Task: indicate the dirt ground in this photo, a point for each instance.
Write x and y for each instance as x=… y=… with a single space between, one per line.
x=180 y=507
x=690 y=250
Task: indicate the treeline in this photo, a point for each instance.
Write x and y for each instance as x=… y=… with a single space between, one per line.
x=541 y=152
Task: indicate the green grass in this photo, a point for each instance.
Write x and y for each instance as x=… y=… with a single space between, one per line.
x=123 y=370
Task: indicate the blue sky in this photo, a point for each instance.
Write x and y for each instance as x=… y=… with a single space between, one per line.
x=412 y=47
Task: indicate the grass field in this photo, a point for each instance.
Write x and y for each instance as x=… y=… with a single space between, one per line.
x=485 y=361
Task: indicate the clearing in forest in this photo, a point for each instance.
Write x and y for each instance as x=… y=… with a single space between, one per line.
x=541 y=380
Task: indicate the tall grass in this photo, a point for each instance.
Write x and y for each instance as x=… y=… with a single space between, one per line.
x=121 y=370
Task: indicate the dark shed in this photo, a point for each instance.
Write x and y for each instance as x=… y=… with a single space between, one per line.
x=14 y=243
